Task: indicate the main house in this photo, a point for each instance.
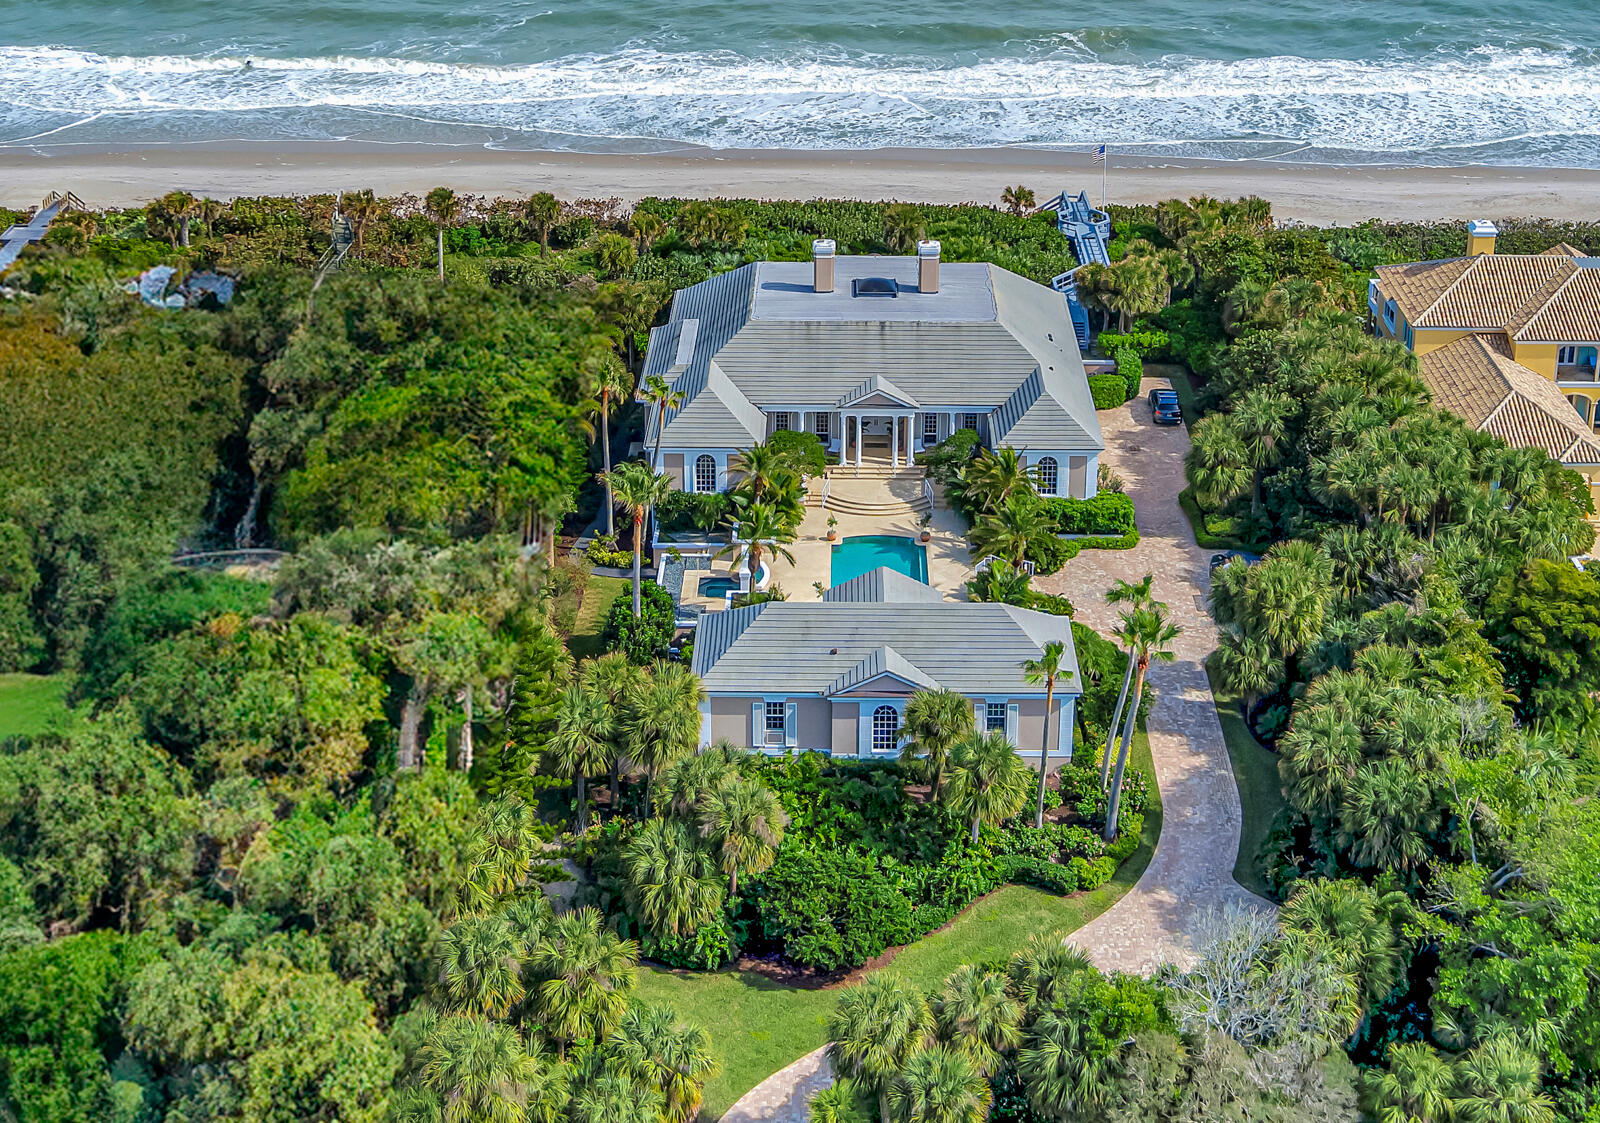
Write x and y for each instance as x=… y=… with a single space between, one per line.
x=1508 y=342
x=834 y=675
x=880 y=357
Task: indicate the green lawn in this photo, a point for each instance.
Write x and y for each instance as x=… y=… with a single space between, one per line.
x=598 y=594
x=758 y=1026
x=1255 y=771
x=33 y=703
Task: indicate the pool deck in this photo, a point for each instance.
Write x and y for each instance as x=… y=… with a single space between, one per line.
x=949 y=561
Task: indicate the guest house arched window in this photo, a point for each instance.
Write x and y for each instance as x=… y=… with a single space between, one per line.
x=885 y=729
x=705 y=472
x=1048 y=473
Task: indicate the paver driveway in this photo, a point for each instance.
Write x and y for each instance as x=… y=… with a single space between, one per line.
x=1191 y=871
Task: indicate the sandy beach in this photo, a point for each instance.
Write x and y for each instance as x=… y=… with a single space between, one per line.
x=1304 y=192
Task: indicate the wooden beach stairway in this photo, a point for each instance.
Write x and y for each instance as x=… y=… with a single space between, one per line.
x=1088 y=230
x=16 y=238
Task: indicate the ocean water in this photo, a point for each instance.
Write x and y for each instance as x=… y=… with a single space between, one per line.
x=1357 y=81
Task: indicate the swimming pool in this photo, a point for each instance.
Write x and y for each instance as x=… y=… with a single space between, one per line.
x=866 y=552
x=717 y=586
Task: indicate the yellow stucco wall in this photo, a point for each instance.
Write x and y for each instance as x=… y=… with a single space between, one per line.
x=1536 y=356
x=1431 y=339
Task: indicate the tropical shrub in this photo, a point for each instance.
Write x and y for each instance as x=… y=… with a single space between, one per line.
x=1144 y=344
x=1130 y=368
x=830 y=909
x=945 y=460
x=1109 y=512
x=684 y=511
x=644 y=637
x=1108 y=390
x=802 y=451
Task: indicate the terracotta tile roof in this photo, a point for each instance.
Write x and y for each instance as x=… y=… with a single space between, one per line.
x=1565 y=249
x=1477 y=380
x=1493 y=290
x=1534 y=297
x=1569 y=313
x=1416 y=285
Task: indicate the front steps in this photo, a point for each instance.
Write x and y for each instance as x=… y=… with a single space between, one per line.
x=876 y=493
x=873 y=470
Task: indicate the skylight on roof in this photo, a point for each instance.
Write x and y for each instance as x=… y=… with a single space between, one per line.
x=874 y=286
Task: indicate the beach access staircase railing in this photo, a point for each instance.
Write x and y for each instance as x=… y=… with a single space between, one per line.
x=1088 y=230
x=18 y=237
x=344 y=236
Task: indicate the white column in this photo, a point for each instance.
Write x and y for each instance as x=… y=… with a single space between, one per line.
x=911 y=441
x=894 y=442
x=859 y=439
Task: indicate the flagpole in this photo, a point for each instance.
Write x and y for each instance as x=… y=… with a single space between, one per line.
x=1104 y=164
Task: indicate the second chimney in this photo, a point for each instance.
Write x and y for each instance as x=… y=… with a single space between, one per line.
x=822 y=265
x=1481 y=234
x=928 y=266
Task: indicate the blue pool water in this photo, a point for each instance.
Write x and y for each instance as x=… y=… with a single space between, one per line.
x=717 y=586
x=864 y=553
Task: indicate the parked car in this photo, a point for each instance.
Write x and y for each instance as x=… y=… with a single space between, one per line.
x=1164 y=408
x=1222 y=559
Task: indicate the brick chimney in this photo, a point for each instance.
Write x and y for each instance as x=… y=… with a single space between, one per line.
x=1481 y=234
x=822 y=265
x=928 y=266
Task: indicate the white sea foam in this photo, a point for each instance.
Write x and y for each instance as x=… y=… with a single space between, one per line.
x=1489 y=103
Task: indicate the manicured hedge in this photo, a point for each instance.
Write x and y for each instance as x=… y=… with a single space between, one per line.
x=1197 y=522
x=1108 y=390
x=1130 y=368
x=1109 y=512
x=1145 y=344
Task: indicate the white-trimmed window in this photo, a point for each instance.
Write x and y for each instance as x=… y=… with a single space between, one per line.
x=1049 y=475
x=969 y=421
x=705 y=472
x=930 y=428
x=994 y=717
x=822 y=425
x=1567 y=355
x=774 y=724
x=780 y=422
x=885 y=729
x=1389 y=310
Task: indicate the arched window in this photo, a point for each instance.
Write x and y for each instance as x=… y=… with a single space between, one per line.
x=1581 y=404
x=1047 y=475
x=705 y=472
x=885 y=729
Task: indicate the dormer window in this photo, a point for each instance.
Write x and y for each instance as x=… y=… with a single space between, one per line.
x=874 y=286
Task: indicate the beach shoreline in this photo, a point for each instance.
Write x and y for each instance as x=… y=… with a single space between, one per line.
x=1312 y=193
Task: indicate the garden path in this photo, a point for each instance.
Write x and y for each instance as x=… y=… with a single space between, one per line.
x=1191 y=871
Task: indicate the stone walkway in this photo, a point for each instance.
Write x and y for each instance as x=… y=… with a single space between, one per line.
x=1192 y=868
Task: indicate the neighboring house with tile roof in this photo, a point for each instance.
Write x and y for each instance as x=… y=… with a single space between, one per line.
x=834 y=675
x=881 y=357
x=1509 y=342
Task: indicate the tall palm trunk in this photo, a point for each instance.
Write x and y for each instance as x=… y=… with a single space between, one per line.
x=616 y=783
x=441 y=253
x=974 y=828
x=578 y=798
x=466 y=730
x=605 y=455
x=1115 y=807
x=883 y=1104
x=409 y=758
x=1044 y=750
x=183 y=230
x=638 y=541
x=1116 y=721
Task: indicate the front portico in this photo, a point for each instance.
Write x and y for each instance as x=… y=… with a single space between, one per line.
x=877 y=421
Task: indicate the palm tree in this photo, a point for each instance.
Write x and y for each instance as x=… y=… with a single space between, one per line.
x=1247 y=666
x=940 y=1085
x=611 y=1097
x=992 y=478
x=589 y=973
x=935 y=720
x=662 y=397
x=1497 y=1081
x=612 y=382
x=180 y=207
x=1150 y=634
x=1414 y=1088
x=902 y=226
x=1135 y=594
x=638 y=489
x=506 y=841
x=646 y=228
x=479 y=965
x=763 y=472
x=658 y=1051
x=1387 y=815
x=1065 y=1074
x=1042 y=970
x=687 y=785
x=662 y=722
x=1018 y=200
x=480 y=1070
x=541 y=210
x=1001 y=582
x=444 y=208
x=1009 y=532
x=360 y=207
x=873 y=1031
x=1218 y=464
x=976 y=1014
x=1261 y=418
x=582 y=742
x=759 y=529
x=834 y=1104
x=743 y=821
x=672 y=882
x=988 y=781
x=1048 y=670
x=617 y=679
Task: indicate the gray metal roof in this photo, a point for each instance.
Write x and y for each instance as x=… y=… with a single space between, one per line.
x=881 y=585
x=882 y=661
x=881 y=388
x=808 y=647
x=778 y=344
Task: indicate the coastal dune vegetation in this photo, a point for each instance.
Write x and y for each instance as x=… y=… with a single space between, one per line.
x=335 y=785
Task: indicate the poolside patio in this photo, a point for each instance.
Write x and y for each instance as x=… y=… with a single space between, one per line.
x=949 y=560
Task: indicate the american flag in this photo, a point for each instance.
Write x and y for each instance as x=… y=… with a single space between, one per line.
x=1100 y=154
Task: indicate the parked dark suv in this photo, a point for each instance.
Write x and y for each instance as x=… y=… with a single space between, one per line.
x=1164 y=408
